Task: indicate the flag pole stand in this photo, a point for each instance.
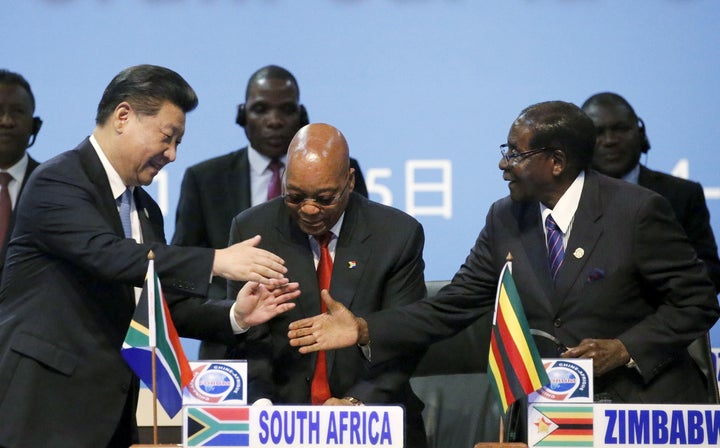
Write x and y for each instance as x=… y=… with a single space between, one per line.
x=154 y=389
x=153 y=358
x=155 y=410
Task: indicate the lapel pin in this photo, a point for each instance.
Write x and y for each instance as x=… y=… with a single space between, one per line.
x=579 y=252
x=352 y=264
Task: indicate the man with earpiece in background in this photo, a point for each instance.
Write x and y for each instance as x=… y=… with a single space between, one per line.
x=621 y=140
x=215 y=190
x=18 y=130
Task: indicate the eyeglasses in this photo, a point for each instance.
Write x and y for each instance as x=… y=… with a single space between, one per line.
x=319 y=201
x=513 y=157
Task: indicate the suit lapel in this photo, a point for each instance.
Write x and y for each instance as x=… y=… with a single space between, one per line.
x=351 y=255
x=586 y=232
x=294 y=247
x=237 y=184
x=149 y=225
x=532 y=238
x=96 y=174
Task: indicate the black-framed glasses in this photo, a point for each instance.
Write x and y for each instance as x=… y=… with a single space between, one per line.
x=319 y=201
x=513 y=157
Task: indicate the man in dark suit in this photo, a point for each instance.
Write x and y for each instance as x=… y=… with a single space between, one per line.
x=216 y=190
x=621 y=141
x=18 y=130
x=377 y=265
x=630 y=292
x=74 y=270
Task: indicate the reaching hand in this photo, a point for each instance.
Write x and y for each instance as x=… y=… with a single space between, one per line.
x=337 y=328
x=256 y=304
x=245 y=262
x=607 y=354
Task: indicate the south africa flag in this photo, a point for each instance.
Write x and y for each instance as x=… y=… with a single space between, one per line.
x=217 y=426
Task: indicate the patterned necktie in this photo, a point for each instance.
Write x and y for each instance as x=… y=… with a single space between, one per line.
x=320 y=389
x=5 y=206
x=556 y=252
x=274 y=185
x=124 y=202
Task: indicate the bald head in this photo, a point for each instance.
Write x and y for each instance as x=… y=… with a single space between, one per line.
x=320 y=143
x=318 y=179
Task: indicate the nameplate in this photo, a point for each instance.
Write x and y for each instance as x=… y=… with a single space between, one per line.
x=656 y=425
x=293 y=426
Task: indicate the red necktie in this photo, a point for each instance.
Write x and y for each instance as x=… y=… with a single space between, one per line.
x=5 y=206
x=274 y=185
x=320 y=389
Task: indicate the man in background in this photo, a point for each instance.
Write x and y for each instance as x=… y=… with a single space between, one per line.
x=216 y=190
x=335 y=242
x=18 y=131
x=621 y=141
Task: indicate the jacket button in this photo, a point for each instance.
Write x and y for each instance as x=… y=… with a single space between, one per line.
x=558 y=323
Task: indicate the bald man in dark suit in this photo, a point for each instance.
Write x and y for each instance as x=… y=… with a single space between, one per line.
x=217 y=189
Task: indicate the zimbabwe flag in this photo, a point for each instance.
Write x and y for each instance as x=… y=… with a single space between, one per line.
x=514 y=363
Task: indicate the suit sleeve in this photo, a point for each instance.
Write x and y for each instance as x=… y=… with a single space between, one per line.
x=685 y=303
x=75 y=222
x=405 y=285
x=700 y=233
x=414 y=327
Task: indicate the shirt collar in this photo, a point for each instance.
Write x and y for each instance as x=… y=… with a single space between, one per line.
x=260 y=162
x=116 y=183
x=565 y=209
x=334 y=229
x=17 y=171
x=633 y=176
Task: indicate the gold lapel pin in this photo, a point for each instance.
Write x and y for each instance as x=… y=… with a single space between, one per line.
x=579 y=252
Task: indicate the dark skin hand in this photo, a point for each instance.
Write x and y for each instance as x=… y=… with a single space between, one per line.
x=607 y=354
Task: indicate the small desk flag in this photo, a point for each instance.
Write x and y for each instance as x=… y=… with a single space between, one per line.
x=514 y=364
x=152 y=328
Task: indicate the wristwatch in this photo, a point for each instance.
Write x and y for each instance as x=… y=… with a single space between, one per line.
x=353 y=401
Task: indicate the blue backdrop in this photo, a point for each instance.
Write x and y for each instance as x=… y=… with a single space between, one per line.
x=424 y=90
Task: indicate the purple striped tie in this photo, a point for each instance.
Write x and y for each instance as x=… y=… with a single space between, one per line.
x=555 y=246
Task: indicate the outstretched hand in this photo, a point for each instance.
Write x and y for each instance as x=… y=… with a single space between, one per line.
x=256 y=303
x=337 y=328
x=245 y=262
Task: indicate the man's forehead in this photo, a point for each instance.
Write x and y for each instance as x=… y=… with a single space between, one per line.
x=265 y=86
x=615 y=111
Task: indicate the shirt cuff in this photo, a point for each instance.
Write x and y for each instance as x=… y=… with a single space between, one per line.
x=237 y=329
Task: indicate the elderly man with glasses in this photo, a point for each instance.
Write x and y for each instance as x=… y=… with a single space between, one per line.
x=628 y=292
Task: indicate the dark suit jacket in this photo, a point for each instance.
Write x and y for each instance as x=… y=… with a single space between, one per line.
x=67 y=299
x=629 y=273
x=32 y=164
x=212 y=193
x=688 y=202
x=378 y=265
